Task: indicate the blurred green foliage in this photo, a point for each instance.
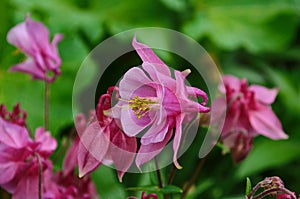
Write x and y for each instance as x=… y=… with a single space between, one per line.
x=259 y=40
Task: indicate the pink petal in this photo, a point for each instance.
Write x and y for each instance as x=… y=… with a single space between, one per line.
x=27 y=187
x=48 y=143
x=86 y=161
x=156 y=132
x=218 y=110
x=148 y=152
x=196 y=92
x=38 y=33
x=156 y=76
x=133 y=79
x=123 y=150
x=93 y=147
x=264 y=94
x=13 y=135
x=266 y=123
x=177 y=139
x=232 y=82
x=131 y=124
x=29 y=67
x=80 y=123
x=8 y=171
x=70 y=160
x=20 y=37
x=147 y=55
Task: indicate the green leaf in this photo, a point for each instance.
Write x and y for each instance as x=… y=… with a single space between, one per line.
x=107 y=183
x=268 y=154
x=248 y=186
x=255 y=25
x=168 y=189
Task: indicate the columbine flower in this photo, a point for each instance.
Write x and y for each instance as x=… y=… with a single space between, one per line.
x=22 y=159
x=248 y=114
x=145 y=196
x=17 y=116
x=66 y=183
x=272 y=186
x=151 y=98
x=32 y=38
x=103 y=140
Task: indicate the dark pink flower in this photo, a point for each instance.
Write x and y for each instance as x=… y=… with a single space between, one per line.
x=151 y=98
x=17 y=116
x=284 y=196
x=145 y=196
x=103 y=140
x=32 y=38
x=72 y=187
x=248 y=114
x=21 y=159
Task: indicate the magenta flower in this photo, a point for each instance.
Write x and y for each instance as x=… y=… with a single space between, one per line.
x=145 y=196
x=32 y=38
x=104 y=141
x=17 y=116
x=151 y=98
x=22 y=158
x=66 y=183
x=71 y=187
x=248 y=114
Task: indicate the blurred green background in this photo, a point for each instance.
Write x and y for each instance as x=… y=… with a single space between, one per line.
x=256 y=39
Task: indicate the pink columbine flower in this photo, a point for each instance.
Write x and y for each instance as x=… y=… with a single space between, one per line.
x=145 y=196
x=248 y=114
x=17 y=116
x=103 y=141
x=21 y=159
x=32 y=38
x=151 y=98
x=66 y=183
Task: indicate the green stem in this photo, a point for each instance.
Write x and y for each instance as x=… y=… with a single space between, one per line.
x=160 y=184
x=187 y=187
x=172 y=174
x=40 y=176
x=46 y=105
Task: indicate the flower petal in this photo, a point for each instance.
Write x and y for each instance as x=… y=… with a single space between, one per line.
x=156 y=133
x=47 y=143
x=231 y=81
x=13 y=135
x=70 y=160
x=131 y=125
x=27 y=187
x=266 y=123
x=147 y=55
x=156 y=76
x=19 y=37
x=177 y=139
x=133 y=79
x=92 y=149
x=29 y=67
x=148 y=152
x=8 y=171
x=264 y=94
x=123 y=150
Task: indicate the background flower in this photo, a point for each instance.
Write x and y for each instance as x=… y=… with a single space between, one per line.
x=32 y=38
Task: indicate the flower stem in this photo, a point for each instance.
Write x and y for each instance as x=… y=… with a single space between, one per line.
x=187 y=187
x=40 y=176
x=160 y=184
x=172 y=174
x=46 y=105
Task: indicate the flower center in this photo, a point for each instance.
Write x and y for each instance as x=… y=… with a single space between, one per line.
x=140 y=106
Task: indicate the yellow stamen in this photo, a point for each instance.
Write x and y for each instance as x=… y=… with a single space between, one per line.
x=140 y=106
